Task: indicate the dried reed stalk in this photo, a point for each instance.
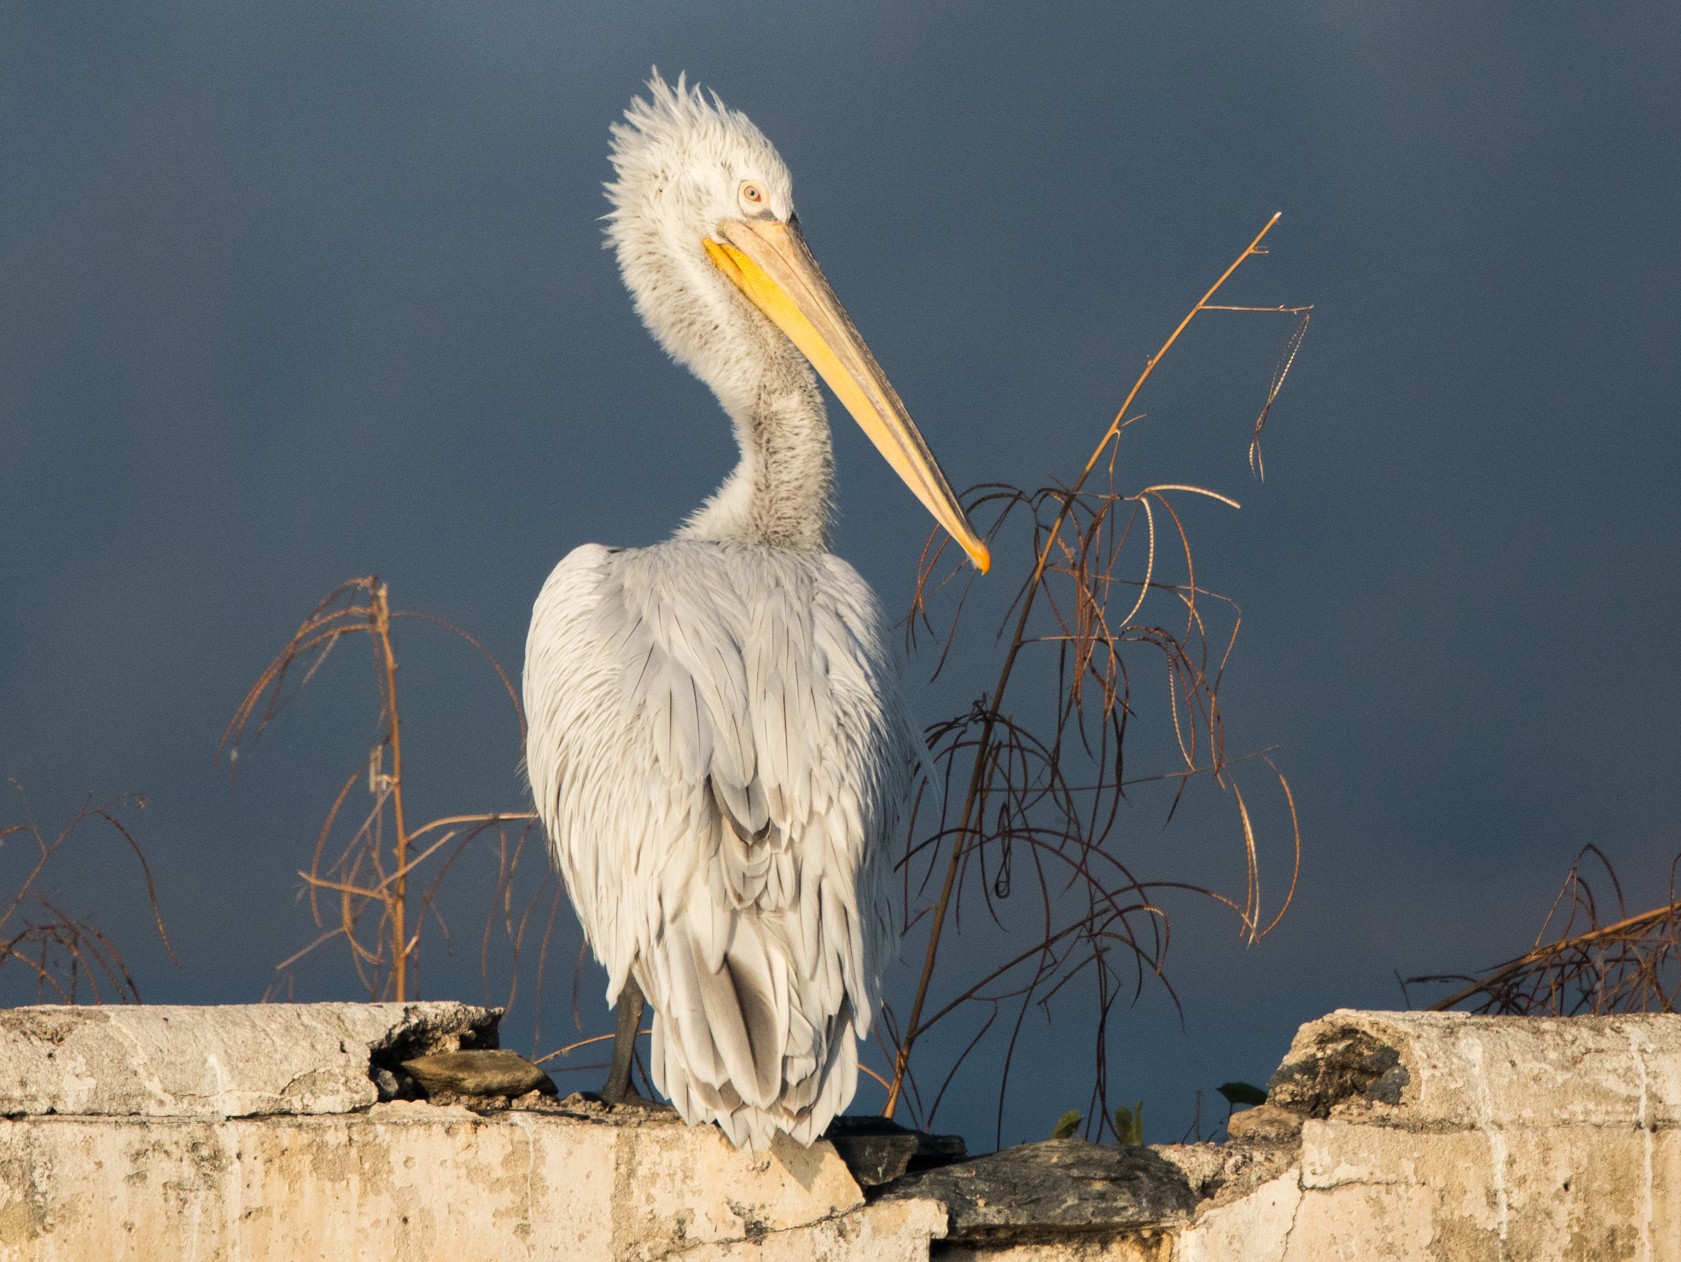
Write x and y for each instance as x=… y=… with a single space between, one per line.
x=1016 y=789
x=59 y=952
x=1583 y=967
x=367 y=882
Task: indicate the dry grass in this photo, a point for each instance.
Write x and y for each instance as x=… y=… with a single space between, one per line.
x=1110 y=599
x=1590 y=958
x=374 y=880
x=64 y=958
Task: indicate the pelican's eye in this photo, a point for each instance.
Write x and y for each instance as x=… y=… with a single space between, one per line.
x=753 y=198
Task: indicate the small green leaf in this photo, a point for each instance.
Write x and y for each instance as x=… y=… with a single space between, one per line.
x=1242 y=1093
x=1066 y=1125
x=1129 y=1123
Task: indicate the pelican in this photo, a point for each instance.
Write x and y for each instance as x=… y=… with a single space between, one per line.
x=719 y=747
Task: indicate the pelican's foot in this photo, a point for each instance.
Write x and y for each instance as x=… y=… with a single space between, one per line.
x=631 y=1101
x=634 y=1099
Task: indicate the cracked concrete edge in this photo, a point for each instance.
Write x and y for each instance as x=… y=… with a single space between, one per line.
x=1482 y=1131
x=1256 y=1227
x=889 y=1231
x=727 y=1193
x=1221 y=1173
x=412 y=1180
x=221 y=1061
x=1451 y=1125
x=1434 y=1070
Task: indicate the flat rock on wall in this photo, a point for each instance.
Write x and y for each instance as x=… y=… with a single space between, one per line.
x=1063 y=1188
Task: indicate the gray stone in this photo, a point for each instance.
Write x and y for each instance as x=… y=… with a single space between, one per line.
x=1055 y=1187
x=874 y=1158
x=487 y=1071
x=1265 y=1124
x=388 y=1085
x=878 y=1150
x=232 y=1061
x=937 y=1150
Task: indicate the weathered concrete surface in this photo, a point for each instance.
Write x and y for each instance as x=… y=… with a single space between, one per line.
x=1448 y=1068
x=1446 y=1136
x=412 y=1181
x=232 y=1061
x=1218 y=1173
x=255 y=1132
x=252 y=1133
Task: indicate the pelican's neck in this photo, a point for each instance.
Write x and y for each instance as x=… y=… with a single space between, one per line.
x=781 y=492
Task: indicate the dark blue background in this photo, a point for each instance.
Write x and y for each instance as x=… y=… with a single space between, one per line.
x=299 y=291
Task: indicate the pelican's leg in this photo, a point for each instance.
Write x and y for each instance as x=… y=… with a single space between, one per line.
x=630 y=1006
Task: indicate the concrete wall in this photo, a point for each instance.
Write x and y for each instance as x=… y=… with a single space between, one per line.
x=270 y=1132
x=1431 y=1135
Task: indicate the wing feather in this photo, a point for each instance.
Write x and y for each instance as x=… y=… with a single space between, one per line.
x=720 y=753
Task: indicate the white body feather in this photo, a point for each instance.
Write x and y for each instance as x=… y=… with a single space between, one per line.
x=718 y=744
x=720 y=753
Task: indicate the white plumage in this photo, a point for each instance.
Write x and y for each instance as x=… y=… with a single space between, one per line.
x=718 y=745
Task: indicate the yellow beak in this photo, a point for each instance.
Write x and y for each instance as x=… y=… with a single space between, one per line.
x=770 y=263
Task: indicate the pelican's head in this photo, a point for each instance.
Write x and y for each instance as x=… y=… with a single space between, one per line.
x=710 y=247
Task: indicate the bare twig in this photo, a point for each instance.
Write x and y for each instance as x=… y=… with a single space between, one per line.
x=360 y=893
x=1013 y=793
x=1632 y=964
x=59 y=952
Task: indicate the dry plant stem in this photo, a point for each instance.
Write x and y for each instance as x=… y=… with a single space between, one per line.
x=975 y=795
x=1630 y=966
x=1630 y=927
x=400 y=846
x=61 y=952
x=367 y=884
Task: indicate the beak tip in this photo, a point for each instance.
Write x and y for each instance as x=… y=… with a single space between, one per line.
x=981 y=556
